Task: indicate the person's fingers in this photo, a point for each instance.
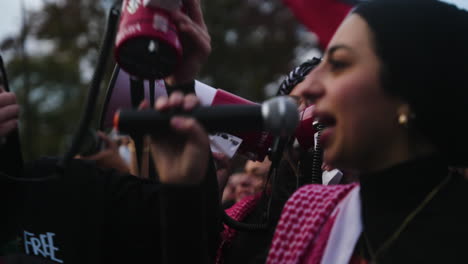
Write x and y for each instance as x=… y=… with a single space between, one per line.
x=190 y=128
x=7 y=98
x=200 y=39
x=190 y=101
x=9 y=112
x=196 y=147
x=180 y=19
x=97 y=157
x=219 y=156
x=221 y=159
x=193 y=8
x=198 y=33
x=183 y=125
x=101 y=156
x=326 y=167
x=161 y=103
x=176 y=99
x=144 y=105
x=109 y=142
x=7 y=127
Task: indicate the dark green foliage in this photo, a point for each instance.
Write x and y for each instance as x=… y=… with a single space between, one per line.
x=266 y=38
x=253 y=44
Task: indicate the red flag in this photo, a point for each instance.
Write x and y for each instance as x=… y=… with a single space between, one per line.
x=320 y=16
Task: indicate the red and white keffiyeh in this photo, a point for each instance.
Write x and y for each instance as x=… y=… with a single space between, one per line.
x=303 y=218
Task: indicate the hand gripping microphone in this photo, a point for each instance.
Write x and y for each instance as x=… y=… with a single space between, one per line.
x=254 y=145
x=278 y=115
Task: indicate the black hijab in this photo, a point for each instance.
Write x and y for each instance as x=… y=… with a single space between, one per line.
x=423 y=45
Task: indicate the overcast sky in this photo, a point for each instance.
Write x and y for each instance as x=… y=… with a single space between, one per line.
x=10 y=13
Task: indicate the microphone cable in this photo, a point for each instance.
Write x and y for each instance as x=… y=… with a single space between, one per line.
x=317 y=156
x=296 y=76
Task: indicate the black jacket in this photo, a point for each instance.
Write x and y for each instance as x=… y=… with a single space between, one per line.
x=90 y=215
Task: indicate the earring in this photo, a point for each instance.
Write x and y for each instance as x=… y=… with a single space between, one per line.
x=403 y=119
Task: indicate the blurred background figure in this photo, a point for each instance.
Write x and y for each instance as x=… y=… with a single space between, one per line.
x=229 y=192
x=254 y=179
x=246 y=186
x=250 y=181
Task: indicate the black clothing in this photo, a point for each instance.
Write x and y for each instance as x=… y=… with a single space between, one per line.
x=190 y=221
x=11 y=165
x=438 y=233
x=252 y=246
x=228 y=204
x=9 y=197
x=92 y=215
x=408 y=37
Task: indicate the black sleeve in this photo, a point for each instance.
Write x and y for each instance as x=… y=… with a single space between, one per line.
x=132 y=220
x=190 y=221
x=10 y=202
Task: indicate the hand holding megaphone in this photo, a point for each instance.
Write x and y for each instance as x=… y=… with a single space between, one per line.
x=162 y=39
x=196 y=42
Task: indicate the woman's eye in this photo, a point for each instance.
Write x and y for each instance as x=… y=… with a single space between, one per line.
x=337 y=65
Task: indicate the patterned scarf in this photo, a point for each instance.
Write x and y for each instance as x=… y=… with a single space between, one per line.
x=302 y=221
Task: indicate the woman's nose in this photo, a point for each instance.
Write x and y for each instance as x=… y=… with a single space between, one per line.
x=311 y=89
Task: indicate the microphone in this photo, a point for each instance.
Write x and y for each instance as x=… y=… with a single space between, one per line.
x=278 y=116
x=254 y=145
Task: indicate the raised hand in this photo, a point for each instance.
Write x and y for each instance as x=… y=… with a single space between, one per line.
x=108 y=157
x=9 y=112
x=180 y=156
x=196 y=42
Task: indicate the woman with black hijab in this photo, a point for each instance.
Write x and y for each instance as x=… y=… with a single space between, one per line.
x=392 y=91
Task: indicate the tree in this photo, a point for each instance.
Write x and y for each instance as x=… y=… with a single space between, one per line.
x=253 y=43
x=52 y=85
